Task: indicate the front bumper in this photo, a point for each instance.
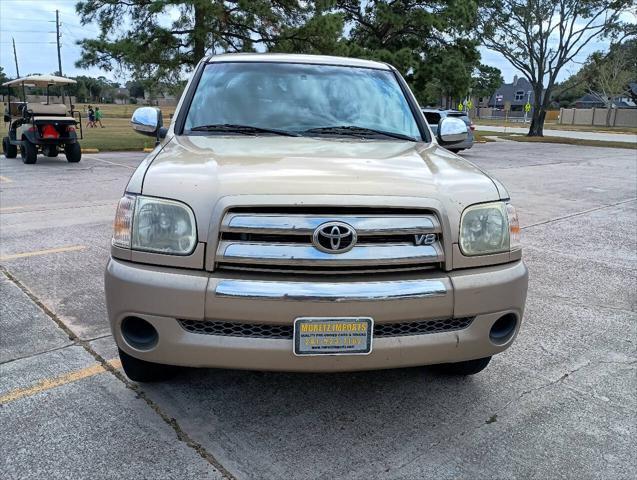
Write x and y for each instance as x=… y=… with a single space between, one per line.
x=162 y=295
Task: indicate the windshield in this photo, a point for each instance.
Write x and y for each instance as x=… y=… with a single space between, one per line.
x=300 y=98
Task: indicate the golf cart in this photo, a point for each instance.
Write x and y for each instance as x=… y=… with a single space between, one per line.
x=41 y=127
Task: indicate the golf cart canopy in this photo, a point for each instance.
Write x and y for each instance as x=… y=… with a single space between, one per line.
x=39 y=81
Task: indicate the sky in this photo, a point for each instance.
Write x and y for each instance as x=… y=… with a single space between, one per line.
x=32 y=24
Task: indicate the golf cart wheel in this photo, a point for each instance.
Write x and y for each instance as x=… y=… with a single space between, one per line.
x=469 y=367
x=51 y=151
x=10 y=151
x=28 y=152
x=73 y=152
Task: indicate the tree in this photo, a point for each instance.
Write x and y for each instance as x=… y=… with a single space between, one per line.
x=604 y=74
x=3 y=79
x=135 y=88
x=566 y=93
x=607 y=75
x=135 y=36
x=486 y=80
x=539 y=37
x=81 y=93
x=430 y=42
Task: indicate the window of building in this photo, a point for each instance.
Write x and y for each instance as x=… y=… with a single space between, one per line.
x=519 y=95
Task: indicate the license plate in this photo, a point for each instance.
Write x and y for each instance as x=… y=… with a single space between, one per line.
x=333 y=335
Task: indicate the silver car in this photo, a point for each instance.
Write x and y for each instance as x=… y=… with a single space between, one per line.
x=434 y=116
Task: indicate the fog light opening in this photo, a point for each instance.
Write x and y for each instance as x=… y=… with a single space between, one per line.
x=139 y=333
x=503 y=329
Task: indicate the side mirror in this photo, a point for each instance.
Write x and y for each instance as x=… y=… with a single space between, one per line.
x=452 y=130
x=148 y=121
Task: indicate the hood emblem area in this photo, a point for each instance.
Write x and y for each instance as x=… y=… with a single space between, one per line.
x=334 y=237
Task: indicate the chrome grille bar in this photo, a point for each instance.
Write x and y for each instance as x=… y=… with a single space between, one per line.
x=333 y=292
x=301 y=254
x=296 y=224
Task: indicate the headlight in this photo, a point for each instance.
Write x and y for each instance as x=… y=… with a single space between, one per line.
x=489 y=228
x=154 y=225
x=123 y=221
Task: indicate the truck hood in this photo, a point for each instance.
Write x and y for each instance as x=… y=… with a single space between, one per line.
x=200 y=170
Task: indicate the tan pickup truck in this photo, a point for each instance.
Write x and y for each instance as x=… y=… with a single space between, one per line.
x=298 y=215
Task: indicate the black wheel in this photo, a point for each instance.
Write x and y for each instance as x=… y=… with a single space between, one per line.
x=10 y=151
x=469 y=367
x=456 y=150
x=28 y=152
x=51 y=151
x=143 y=371
x=73 y=152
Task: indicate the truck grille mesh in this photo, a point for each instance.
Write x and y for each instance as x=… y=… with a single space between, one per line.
x=259 y=330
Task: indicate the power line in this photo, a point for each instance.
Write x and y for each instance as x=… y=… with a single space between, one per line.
x=25 y=19
x=28 y=43
x=25 y=31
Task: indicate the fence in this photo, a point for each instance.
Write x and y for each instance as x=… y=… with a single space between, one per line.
x=599 y=117
x=488 y=113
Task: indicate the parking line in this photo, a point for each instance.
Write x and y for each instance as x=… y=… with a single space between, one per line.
x=58 y=206
x=5 y=179
x=49 y=383
x=112 y=163
x=42 y=252
x=10 y=209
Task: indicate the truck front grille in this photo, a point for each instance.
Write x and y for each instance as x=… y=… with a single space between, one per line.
x=260 y=330
x=291 y=240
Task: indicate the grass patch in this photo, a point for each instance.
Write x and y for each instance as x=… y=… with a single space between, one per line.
x=561 y=140
x=123 y=111
x=571 y=141
x=555 y=126
x=117 y=134
x=481 y=136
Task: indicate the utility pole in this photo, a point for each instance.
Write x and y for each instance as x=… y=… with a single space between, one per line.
x=57 y=30
x=17 y=69
x=15 y=56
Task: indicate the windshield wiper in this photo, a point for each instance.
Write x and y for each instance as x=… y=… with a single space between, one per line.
x=243 y=129
x=357 y=131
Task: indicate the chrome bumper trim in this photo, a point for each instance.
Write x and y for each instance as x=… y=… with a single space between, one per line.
x=305 y=224
x=330 y=292
x=301 y=254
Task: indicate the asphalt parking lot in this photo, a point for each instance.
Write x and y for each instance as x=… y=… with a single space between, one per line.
x=560 y=403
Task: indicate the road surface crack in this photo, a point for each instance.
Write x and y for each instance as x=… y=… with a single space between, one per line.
x=576 y=214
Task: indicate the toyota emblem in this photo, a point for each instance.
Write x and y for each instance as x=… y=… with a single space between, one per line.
x=334 y=237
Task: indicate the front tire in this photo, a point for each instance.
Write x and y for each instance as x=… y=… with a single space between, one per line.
x=142 y=371
x=73 y=152
x=10 y=151
x=469 y=367
x=28 y=152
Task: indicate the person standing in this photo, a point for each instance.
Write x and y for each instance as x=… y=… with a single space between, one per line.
x=98 y=117
x=91 y=117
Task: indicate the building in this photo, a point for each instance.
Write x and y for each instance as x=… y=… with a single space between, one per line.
x=593 y=100
x=513 y=95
